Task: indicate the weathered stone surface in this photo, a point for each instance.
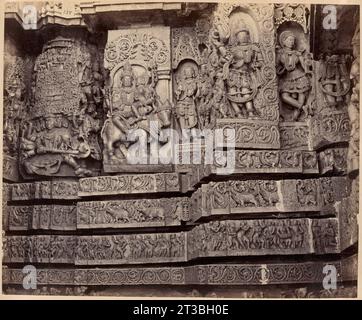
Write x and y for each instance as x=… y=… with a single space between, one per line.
x=294 y=135
x=326 y=235
x=45 y=217
x=333 y=161
x=39 y=190
x=10 y=168
x=6 y=195
x=347 y=210
x=128 y=184
x=329 y=128
x=350 y=268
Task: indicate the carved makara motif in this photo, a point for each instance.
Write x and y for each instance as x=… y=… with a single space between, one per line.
x=60 y=133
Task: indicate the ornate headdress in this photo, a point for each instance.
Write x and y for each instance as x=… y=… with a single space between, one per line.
x=127 y=71
x=284 y=35
x=242 y=28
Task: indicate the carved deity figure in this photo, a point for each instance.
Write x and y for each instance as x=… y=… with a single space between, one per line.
x=123 y=100
x=186 y=94
x=292 y=68
x=240 y=73
x=146 y=97
x=97 y=83
x=132 y=105
x=13 y=100
x=205 y=87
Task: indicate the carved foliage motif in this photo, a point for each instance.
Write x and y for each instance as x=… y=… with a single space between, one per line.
x=262 y=275
x=273 y=161
x=292 y=12
x=273 y=273
x=135 y=45
x=146 y=183
x=252 y=134
x=294 y=135
x=329 y=128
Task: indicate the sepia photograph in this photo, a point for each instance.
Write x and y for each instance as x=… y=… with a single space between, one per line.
x=180 y=150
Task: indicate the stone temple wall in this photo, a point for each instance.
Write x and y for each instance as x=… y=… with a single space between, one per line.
x=104 y=103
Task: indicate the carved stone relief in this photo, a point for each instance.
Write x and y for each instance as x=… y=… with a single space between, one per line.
x=137 y=98
x=60 y=134
x=99 y=99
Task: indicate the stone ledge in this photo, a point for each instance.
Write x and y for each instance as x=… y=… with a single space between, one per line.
x=329 y=128
x=236 y=196
x=129 y=184
x=261 y=134
x=210 y=274
x=227 y=238
x=56 y=189
x=133 y=213
x=45 y=217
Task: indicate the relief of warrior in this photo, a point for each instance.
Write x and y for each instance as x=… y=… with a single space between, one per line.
x=239 y=71
x=292 y=69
